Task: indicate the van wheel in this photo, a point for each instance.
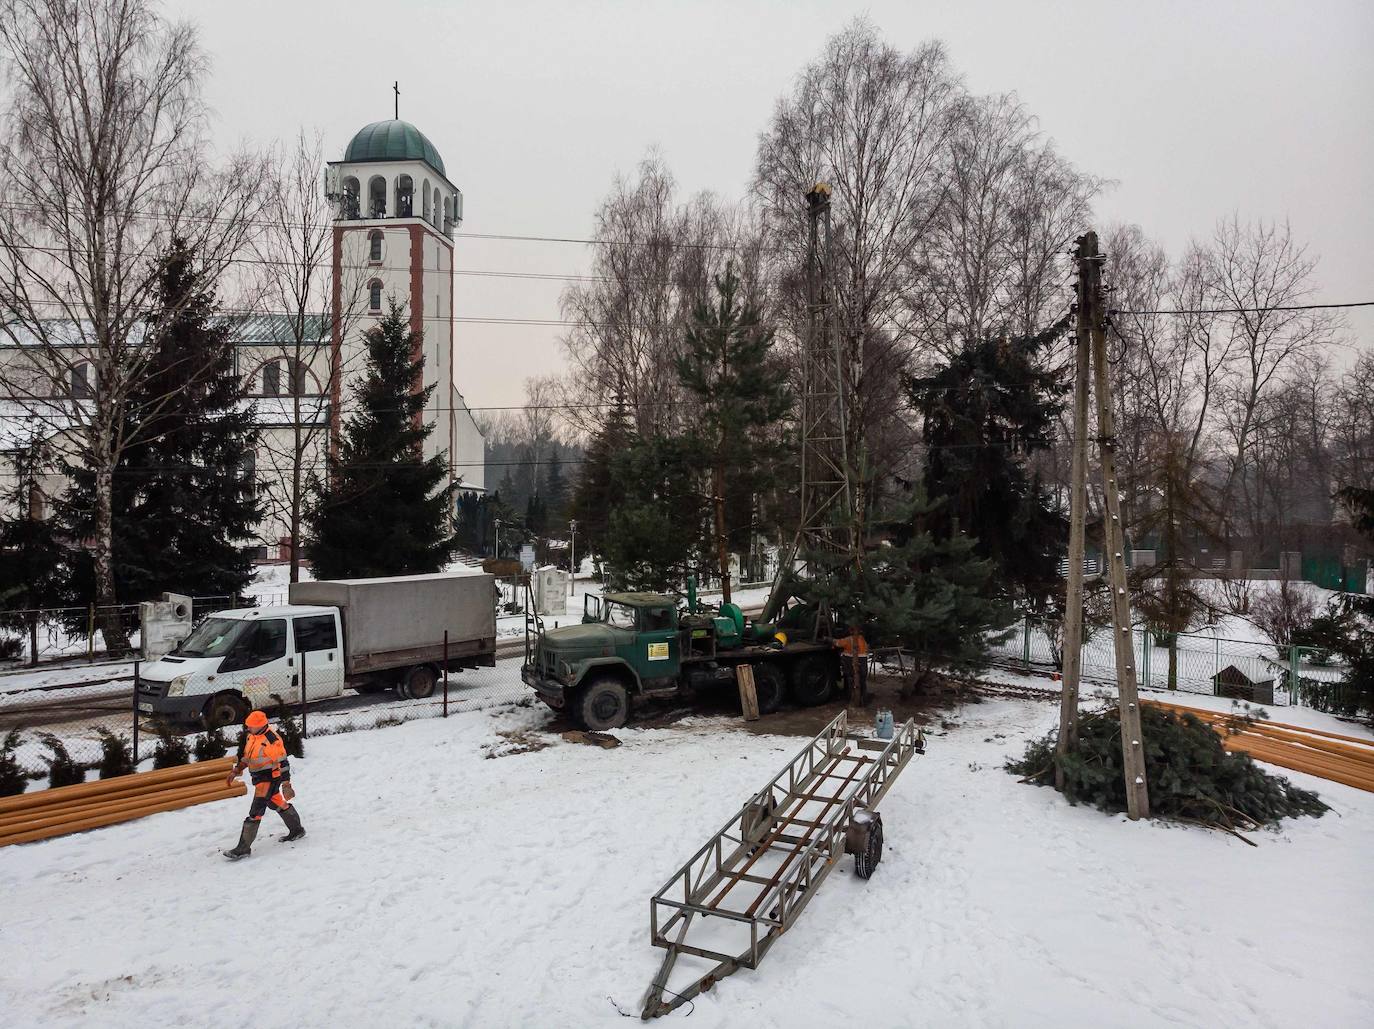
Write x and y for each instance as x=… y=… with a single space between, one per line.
x=602 y=704
x=224 y=709
x=770 y=687
x=813 y=678
x=419 y=683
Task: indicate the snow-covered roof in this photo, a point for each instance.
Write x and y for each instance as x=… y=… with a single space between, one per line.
x=245 y=330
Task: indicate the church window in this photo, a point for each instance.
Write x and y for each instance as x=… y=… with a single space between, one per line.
x=374 y=295
x=81 y=381
x=405 y=196
x=283 y=377
x=374 y=245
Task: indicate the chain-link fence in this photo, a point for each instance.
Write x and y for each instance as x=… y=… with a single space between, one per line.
x=88 y=716
x=32 y=637
x=1201 y=662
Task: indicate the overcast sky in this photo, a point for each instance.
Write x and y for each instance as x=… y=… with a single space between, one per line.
x=1194 y=109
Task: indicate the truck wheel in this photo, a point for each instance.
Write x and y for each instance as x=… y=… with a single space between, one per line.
x=813 y=678
x=419 y=683
x=602 y=704
x=770 y=687
x=224 y=709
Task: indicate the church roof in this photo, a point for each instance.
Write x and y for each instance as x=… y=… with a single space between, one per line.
x=393 y=140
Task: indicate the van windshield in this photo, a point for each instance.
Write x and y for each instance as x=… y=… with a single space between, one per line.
x=213 y=637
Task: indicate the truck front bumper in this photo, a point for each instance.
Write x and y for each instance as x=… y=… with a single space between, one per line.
x=551 y=691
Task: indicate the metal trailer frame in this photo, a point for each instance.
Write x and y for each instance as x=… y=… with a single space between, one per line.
x=773 y=823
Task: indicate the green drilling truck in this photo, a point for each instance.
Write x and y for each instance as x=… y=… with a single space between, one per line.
x=632 y=645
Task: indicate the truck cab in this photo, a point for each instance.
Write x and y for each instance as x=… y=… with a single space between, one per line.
x=629 y=639
x=235 y=661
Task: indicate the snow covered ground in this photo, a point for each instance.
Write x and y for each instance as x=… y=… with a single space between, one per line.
x=450 y=879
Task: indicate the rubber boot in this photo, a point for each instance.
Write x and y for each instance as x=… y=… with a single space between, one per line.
x=292 y=818
x=246 y=838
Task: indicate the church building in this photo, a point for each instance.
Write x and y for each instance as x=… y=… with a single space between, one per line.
x=395 y=212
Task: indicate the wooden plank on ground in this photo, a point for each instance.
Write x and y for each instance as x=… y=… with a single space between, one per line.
x=748 y=696
x=110 y=818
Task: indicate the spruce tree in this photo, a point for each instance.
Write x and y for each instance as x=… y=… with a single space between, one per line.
x=986 y=412
x=384 y=507
x=182 y=507
x=654 y=536
x=741 y=398
x=555 y=491
x=923 y=588
x=1357 y=694
x=31 y=554
x=594 y=497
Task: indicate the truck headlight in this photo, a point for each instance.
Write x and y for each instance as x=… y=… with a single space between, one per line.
x=177 y=686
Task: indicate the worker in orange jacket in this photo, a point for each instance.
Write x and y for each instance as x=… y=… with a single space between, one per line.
x=854 y=664
x=263 y=754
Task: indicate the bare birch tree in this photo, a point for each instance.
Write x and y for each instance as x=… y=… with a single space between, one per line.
x=1169 y=370
x=104 y=161
x=874 y=123
x=296 y=254
x=654 y=261
x=1258 y=267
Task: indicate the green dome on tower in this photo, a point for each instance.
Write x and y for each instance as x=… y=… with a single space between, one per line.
x=393 y=140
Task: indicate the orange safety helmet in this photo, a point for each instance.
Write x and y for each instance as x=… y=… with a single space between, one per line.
x=256 y=720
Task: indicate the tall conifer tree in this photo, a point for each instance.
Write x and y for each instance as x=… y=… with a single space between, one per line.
x=741 y=398
x=990 y=408
x=184 y=502
x=594 y=496
x=384 y=509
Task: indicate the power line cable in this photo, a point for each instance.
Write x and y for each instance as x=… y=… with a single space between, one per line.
x=1247 y=310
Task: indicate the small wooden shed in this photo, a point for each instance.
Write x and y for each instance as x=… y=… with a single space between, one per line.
x=1232 y=682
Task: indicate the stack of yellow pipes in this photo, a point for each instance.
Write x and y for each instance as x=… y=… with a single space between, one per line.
x=46 y=813
x=1329 y=755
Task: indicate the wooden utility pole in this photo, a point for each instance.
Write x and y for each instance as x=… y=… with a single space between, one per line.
x=1092 y=323
x=1078 y=502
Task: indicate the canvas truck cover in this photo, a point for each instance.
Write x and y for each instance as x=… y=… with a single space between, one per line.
x=403 y=618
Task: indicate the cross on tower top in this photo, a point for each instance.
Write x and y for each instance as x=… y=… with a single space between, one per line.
x=396 y=88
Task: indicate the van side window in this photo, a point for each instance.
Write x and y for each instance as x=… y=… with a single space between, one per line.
x=269 y=643
x=314 y=632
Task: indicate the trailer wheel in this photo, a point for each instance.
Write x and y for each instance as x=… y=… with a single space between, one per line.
x=770 y=687
x=224 y=709
x=813 y=679
x=602 y=704
x=866 y=860
x=419 y=683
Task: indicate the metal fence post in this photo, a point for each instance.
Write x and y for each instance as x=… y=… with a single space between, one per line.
x=1145 y=648
x=303 y=664
x=1293 y=674
x=90 y=632
x=445 y=673
x=1025 y=643
x=135 y=744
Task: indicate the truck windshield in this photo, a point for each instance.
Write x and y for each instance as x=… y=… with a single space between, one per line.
x=620 y=615
x=213 y=637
